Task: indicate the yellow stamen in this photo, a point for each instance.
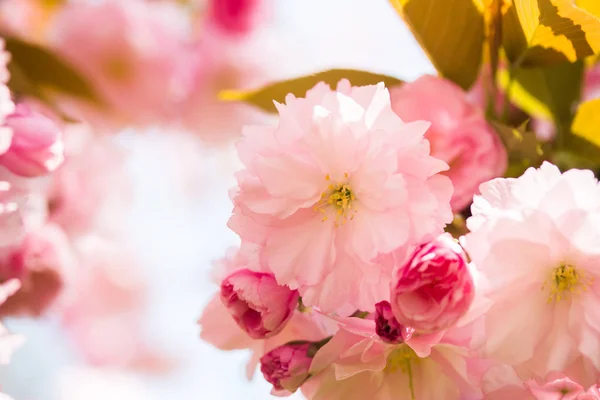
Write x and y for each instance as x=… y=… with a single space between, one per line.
x=566 y=280
x=403 y=358
x=340 y=198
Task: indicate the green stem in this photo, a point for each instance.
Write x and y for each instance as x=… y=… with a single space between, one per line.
x=410 y=379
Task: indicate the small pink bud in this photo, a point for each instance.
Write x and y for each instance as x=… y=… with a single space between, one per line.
x=36 y=146
x=287 y=366
x=257 y=303
x=387 y=327
x=434 y=288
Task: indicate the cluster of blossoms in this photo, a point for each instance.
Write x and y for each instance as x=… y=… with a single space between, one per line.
x=149 y=62
x=346 y=286
x=64 y=187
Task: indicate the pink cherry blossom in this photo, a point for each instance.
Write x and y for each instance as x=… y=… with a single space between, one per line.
x=42 y=262
x=387 y=326
x=257 y=303
x=357 y=365
x=459 y=133
x=136 y=58
x=535 y=241
x=36 y=148
x=340 y=180
x=286 y=367
x=433 y=288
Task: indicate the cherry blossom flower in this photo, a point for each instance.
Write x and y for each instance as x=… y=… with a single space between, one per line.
x=339 y=181
x=535 y=243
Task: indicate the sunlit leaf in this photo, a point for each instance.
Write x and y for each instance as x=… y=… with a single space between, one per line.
x=36 y=70
x=548 y=93
x=451 y=32
x=264 y=97
x=591 y=6
x=545 y=32
x=587 y=121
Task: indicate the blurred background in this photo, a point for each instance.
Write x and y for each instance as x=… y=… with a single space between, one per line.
x=176 y=227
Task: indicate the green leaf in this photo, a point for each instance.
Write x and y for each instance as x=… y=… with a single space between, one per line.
x=548 y=93
x=451 y=32
x=546 y=32
x=264 y=97
x=587 y=122
x=524 y=149
x=36 y=71
x=577 y=152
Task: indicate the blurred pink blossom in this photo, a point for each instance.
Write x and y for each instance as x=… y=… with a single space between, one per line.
x=36 y=148
x=338 y=181
x=236 y=17
x=8 y=342
x=103 y=308
x=42 y=262
x=459 y=133
x=140 y=63
x=91 y=190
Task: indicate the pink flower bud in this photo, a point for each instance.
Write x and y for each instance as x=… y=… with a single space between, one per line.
x=257 y=303
x=434 y=288
x=36 y=146
x=287 y=366
x=387 y=327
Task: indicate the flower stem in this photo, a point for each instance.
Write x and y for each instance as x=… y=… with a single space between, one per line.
x=410 y=379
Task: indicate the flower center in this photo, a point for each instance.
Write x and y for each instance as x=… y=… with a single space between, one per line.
x=340 y=198
x=400 y=359
x=566 y=280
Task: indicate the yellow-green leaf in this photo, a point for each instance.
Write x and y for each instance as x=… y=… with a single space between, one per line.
x=546 y=32
x=35 y=70
x=451 y=32
x=587 y=122
x=548 y=93
x=524 y=149
x=265 y=96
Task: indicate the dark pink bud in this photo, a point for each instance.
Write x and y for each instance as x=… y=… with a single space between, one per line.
x=257 y=303
x=434 y=288
x=287 y=366
x=387 y=327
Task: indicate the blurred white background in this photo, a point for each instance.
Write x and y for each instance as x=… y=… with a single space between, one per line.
x=178 y=234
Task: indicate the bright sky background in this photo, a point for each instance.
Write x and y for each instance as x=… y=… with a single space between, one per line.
x=179 y=237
